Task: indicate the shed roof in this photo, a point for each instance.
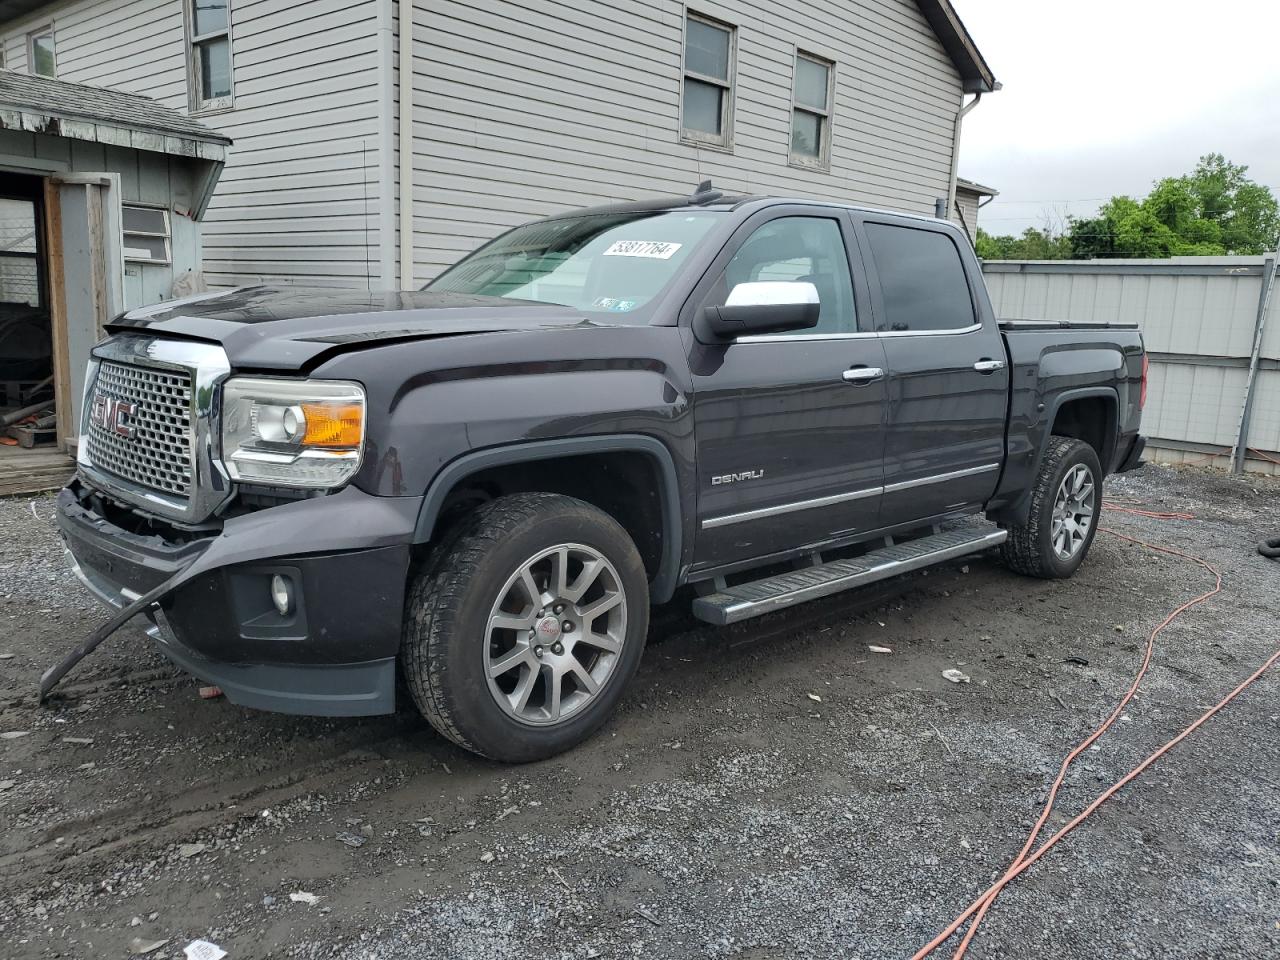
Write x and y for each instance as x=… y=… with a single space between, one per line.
x=55 y=107
x=972 y=187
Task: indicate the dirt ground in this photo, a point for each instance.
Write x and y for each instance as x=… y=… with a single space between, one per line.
x=726 y=812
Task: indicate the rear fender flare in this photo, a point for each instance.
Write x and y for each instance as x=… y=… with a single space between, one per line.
x=1019 y=511
x=665 y=581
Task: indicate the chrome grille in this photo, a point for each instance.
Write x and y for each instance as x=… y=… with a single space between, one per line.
x=156 y=452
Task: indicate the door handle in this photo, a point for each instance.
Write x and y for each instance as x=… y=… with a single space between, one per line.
x=988 y=366
x=861 y=375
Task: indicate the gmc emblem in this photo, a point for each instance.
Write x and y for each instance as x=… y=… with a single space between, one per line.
x=112 y=414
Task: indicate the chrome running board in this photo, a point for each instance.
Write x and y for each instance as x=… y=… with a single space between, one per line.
x=731 y=604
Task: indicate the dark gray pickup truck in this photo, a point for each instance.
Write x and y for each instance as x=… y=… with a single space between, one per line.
x=483 y=486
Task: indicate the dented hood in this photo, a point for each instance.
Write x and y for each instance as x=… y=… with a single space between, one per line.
x=291 y=328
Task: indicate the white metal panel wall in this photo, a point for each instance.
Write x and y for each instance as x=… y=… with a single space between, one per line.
x=1197 y=315
x=526 y=107
x=298 y=199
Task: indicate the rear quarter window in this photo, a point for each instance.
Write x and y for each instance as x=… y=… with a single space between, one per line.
x=922 y=281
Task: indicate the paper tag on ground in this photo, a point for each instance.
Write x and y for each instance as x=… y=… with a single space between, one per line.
x=649 y=249
x=203 y=950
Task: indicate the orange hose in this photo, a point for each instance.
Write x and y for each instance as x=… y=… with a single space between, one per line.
x=1025 y=857
x=1155 y=515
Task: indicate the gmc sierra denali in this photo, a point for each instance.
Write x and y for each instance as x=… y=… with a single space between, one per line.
x=481 y=487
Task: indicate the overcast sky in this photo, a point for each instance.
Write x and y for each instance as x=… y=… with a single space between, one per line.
x=1101 y=97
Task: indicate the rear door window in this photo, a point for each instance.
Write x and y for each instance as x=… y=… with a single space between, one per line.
x=922 y=281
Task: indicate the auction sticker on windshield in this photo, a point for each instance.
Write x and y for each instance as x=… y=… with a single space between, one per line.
x=650 y=249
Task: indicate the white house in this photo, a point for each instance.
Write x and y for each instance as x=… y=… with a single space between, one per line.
x=340 y=173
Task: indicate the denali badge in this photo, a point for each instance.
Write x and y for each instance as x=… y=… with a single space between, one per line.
x=112 y=414
x=737 y=477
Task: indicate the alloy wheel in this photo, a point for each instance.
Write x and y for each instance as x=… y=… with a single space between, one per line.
x=1073 y=512
x=555 y=634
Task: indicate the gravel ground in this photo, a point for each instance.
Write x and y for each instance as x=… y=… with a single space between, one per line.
x=770 y=790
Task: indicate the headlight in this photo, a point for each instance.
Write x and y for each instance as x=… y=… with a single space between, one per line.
x=292 y=433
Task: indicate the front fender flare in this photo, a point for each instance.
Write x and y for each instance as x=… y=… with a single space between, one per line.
x=665 y=581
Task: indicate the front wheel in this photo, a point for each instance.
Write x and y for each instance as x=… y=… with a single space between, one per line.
x=522 y=632
x=1066 y=500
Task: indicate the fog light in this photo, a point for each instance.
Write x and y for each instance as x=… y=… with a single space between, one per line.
x=282 y=594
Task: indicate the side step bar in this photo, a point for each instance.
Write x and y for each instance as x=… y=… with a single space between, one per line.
x=731 y=604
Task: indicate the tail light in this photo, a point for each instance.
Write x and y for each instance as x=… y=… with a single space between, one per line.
x=1142 y=397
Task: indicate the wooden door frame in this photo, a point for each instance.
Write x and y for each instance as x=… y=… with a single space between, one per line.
x=54 y=269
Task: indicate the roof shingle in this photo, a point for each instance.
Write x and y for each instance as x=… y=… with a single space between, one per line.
x=74 y=101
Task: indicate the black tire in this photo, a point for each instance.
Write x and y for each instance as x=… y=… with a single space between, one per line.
x=445 y=649
x=1029 y=549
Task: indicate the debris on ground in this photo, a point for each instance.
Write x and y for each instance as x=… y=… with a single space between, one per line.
x=874 y=649
x=350 y=839
x=642 y=912
x=815 y=698
x=14 y=734
x=140 y=947
x=188 y=850
x=210 y=693
x=955 y=676
x=310 y=899
x=78 y=741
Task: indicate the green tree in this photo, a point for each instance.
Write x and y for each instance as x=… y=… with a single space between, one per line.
x=1034 y=244
x=1214 y=210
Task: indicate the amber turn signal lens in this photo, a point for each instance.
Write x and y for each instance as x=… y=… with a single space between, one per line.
x=333 y=425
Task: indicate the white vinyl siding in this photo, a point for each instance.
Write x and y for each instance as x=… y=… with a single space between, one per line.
x=298 y=201
x=523 y=108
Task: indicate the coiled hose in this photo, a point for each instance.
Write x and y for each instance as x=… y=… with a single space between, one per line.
x=1270 y=548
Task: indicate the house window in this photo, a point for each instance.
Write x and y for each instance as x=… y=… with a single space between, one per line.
x=209 y=60
x=19 y=254
x=707 y=103
x=146 y=234
x=811 y=111
x=40 y=54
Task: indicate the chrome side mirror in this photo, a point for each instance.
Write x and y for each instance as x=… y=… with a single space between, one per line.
x=762 y=306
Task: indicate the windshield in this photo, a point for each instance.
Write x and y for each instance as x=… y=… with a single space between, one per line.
x=614 y=263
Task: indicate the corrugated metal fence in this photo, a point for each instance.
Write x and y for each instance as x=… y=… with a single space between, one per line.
x=1199 y=317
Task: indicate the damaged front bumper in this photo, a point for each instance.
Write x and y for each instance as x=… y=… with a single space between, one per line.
x=344 y=556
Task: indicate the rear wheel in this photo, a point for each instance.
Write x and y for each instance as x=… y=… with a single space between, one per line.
x=1066 y=500
x=522 y=633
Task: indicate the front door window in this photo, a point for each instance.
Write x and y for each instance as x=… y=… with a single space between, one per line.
x=797 y=250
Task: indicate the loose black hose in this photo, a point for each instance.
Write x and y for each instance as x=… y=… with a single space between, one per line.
x=1270 y=548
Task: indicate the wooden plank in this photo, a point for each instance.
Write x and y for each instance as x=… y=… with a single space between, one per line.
x=51 y=480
